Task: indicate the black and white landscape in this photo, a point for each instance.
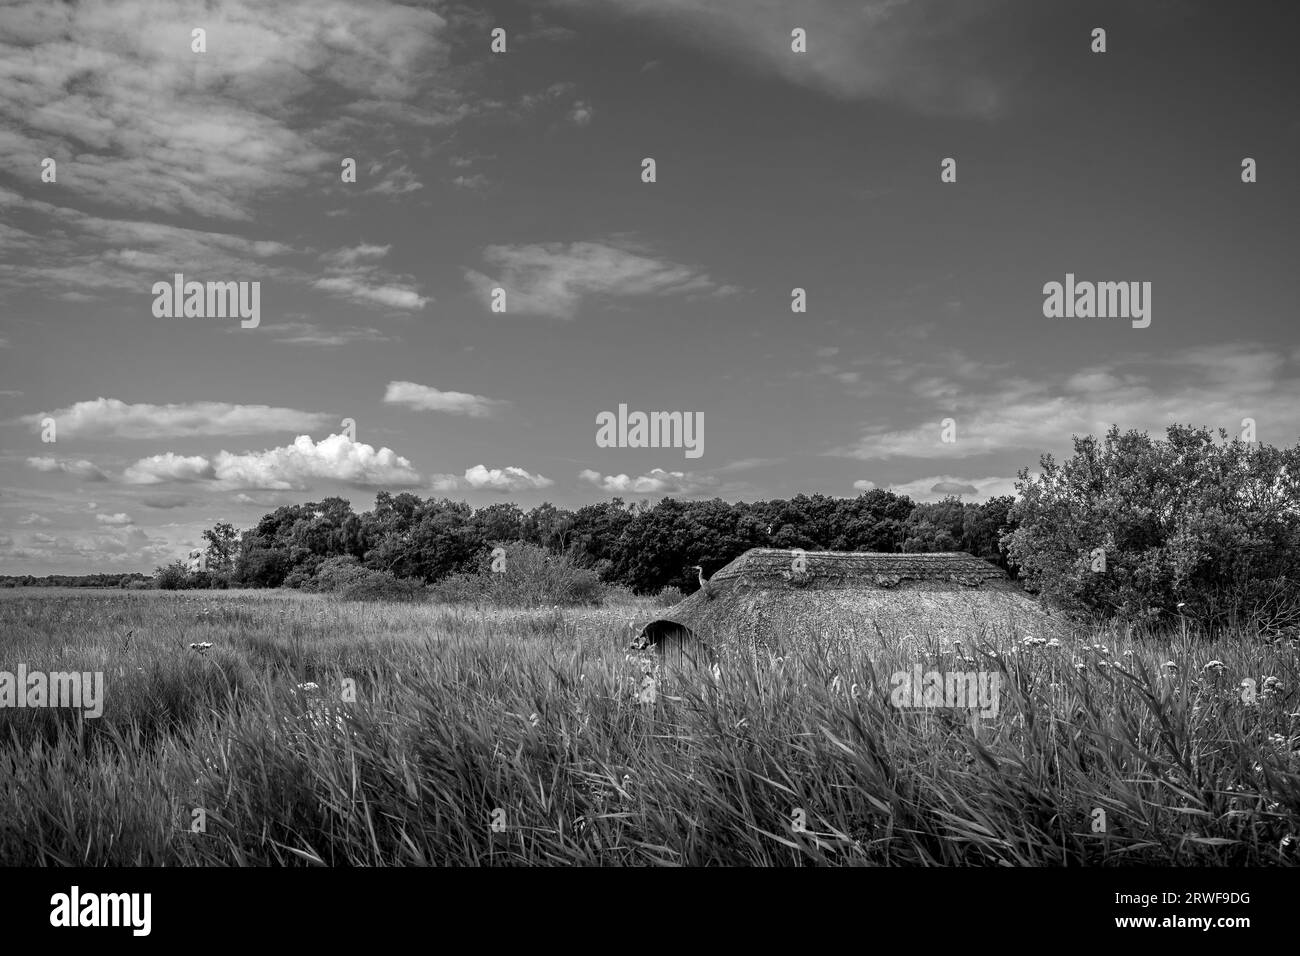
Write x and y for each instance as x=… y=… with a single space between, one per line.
x=357 y=504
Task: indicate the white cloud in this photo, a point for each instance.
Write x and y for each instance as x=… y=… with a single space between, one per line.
x=429 y=399
x=349 y=257
x=656 y=481
x=118 y=520
x=34 y=519
x=553 y=278
x=335 y=458
x=508 y=479
x=581 y=113
x=1216 y=387
x=153 y=125
x=168 y=467
x=111 y=418
x=78 y=468
x=863 y=485
x=292 y=467
x=360 y=289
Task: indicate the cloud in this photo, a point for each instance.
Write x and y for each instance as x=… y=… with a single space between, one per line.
x=863 y=485
x=292 y=467
x=78 y=468
x=354 y=274
x=118 y=520
x=656 y=481
x=397 y=182
x=938 y=487
x=745 y=464
x=428 y=399
x=480 y=478
x=111 y=418
x=165 y=502
x=928 y=56
x=308 y=333
x=474 y=181
x=168 y=467
x=125 y=547
x=553 y=278
x=153 y=125
x=994 y=413
x=34 y=519
x=73 y=251
x=350 y=257
x=581 y=113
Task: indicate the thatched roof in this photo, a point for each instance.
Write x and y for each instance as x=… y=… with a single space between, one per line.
x=759 y=600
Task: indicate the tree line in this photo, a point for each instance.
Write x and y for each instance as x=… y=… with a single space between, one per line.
x=642 y=547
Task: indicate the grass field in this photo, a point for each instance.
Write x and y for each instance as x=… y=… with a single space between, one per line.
x=492 y=737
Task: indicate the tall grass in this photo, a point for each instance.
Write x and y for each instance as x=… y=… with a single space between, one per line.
x=540 y=722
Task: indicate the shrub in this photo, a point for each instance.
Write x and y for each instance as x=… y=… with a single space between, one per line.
x=1212 y=526
x=380 y=586
x=336 y=573
x=669 y=596
x=459 y=589
x=528 y=576
x=171 y=577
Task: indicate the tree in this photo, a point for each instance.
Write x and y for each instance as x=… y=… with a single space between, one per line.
x=1211 y=526
x=223 y=548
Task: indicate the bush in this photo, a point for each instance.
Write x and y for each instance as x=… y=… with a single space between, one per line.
x=336 y=573
x=460 y=589
x=1212 y=526
x=171 y=577
x=669 y=596
x=526 y=575
x=380 y=586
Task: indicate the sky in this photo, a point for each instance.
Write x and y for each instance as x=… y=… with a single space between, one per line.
x=924 y=362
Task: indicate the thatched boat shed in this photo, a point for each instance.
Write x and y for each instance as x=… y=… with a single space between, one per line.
x=773 y=599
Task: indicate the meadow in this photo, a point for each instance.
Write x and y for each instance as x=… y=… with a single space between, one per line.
x=484 y=736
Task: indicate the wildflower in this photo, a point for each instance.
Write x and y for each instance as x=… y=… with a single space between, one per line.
x=1129 y=652
x=647 y=693
x=1214 y=665
x=1033 y=642
x=202 y=647
x=533 y=718
x=1271 y=686
x=1053 y=643
x=1170 y=665
x=311 y=687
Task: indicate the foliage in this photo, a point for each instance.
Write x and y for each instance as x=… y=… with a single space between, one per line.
x=525 y=575
x=1187 y=525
